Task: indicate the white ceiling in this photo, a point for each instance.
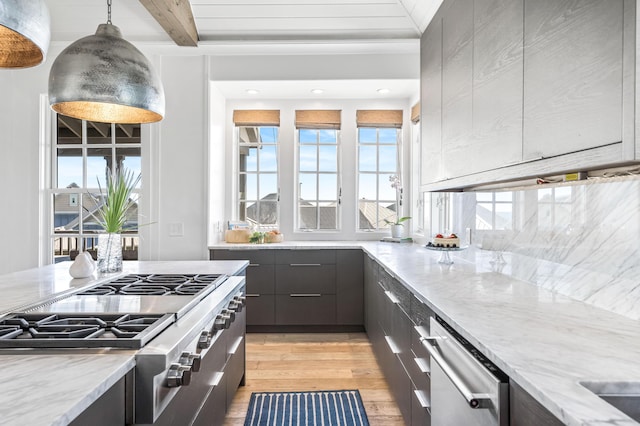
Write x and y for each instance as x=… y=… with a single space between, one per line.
x=218 y=20
x=224 y=23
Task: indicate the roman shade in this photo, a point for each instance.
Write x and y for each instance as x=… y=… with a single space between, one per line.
x=318 y=119
x=415 y=113
x=256 y=117
x=379 y=118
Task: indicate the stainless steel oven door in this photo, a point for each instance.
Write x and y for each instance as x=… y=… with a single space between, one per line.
x=463 y=391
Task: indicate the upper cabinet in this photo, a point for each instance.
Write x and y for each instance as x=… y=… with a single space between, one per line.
x=522 y=88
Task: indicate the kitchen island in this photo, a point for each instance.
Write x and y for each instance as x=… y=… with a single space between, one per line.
x=55 y=386
x=545 y=342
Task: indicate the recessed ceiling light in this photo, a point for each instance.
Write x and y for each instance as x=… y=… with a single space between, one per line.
x=317 y=91
x=252 y=91
x=383 y=91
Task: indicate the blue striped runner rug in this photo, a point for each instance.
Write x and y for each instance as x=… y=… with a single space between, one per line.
x=313 y=408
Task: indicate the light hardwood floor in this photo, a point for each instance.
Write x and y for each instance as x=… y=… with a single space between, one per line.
x=318 y=361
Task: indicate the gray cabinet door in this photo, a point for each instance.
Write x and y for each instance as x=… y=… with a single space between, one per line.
x=573 y=75
x=526 y=411
x=457 y=87
x=497 y=86
x=306 y=309
x=431 y=102
x=350 y=287
x=306 y=279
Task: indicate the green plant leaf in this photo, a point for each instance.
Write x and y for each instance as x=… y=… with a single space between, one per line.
x=112 y=208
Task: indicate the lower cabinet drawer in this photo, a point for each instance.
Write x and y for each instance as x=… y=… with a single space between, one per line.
x=261 y=309
x=235 y=368
x=306 y=309
x=306 y=278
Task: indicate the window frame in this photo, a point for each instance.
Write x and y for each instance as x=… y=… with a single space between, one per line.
x=318 y=173
x=85 y=239
x=377 y=173
x=236 y=196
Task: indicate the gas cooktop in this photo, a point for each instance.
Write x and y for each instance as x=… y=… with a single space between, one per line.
x=158 y=285
x=126 y=312
x=75 y=330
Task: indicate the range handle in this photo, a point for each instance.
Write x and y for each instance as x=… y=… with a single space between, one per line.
x=475 y=400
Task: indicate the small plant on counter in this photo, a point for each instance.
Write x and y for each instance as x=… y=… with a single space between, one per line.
x=398 y=221
x=257 y=238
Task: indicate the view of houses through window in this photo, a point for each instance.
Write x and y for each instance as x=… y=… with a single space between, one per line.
x=83 y=154
x=258 y=175
x=377 y=166
x=318 y=179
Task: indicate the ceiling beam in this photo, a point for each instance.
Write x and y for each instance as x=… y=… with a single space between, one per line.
x=72 y=124
x=176 y=17
x=102 y=128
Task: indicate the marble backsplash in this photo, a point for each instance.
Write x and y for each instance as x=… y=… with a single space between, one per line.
x=579 y=239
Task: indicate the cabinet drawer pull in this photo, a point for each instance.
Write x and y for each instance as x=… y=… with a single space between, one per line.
x=422 y=365
x=305 y=295
x=236 y=345
x=304 y=264
x=217 y=378
x=392 y=345
x=422 y=331
x=254 y=265
x=252 y=295
x=422 y=399
x=392 y=297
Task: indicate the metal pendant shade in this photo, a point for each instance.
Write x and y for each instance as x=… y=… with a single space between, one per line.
x=105 y=78
x=24 y=33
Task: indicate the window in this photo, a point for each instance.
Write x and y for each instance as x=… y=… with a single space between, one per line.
x=83 y=153
x=318 y=180
x=377 y=165
x=378 y=150
x=318 y=174
x=494 y=211
x=257 y=176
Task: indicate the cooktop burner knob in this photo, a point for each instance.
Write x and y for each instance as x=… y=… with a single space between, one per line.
x=230 y=313
x=241 y=300
x=234 y=305
x=222 y=321
x=190 y=360
x=179 y=375
x=205 y=340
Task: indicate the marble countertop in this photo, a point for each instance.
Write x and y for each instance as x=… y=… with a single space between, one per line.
x=546 y=342
x=64 y=383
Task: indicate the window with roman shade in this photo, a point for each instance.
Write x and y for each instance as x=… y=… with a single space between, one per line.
x=318 y=169
x=379 y=135
x=257 y=134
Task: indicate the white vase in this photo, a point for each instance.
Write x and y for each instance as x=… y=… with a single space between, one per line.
x=83 y=266
x=396 y=231
x=109 y=253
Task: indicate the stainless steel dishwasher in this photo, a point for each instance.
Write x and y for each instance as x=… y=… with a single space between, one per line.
x=466 y=388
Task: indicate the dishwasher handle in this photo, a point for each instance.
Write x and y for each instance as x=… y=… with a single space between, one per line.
x=475 y=400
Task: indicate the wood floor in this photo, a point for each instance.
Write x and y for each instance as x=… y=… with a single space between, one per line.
x=299 y=361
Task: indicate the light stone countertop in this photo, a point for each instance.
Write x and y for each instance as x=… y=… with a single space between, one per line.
x=49 y=387
x=546 y=342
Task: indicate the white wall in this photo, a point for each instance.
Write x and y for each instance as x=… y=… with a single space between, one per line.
x=20 y=167
x=179 y=150
x=348 y=141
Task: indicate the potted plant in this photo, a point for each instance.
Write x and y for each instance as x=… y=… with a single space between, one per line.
x=111 y=212
x=396 y=226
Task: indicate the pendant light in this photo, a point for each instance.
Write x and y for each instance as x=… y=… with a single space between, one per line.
x=24 y=33
x=104 y=78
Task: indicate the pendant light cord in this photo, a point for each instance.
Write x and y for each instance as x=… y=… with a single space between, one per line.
x=109 y=12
